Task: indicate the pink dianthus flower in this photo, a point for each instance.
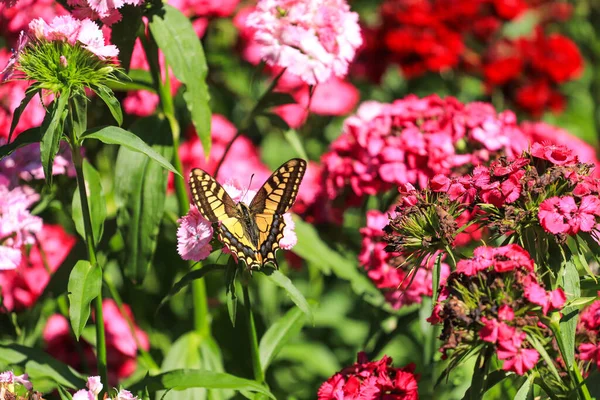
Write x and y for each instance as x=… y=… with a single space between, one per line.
x=313 y=39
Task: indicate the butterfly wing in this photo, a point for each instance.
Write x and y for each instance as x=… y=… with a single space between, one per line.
x=274 y=198
x=217 y=206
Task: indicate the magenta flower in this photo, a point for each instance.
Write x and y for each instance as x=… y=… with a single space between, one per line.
x=536 y=294
x=516 y=358
x=556 y=154
x=194 y=235
x=9 y=378
x=68 y=29
x=313 y=39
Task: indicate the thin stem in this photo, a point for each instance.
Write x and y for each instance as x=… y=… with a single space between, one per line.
x=199 y=296
x=248 y=120
x=258 y=372
x=89 y=239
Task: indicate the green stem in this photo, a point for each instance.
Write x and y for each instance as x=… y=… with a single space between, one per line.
x=258 y=372
x=248 y=120
x=91 y=249
x=199 y=295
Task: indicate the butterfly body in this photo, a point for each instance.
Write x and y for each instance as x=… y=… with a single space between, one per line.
x=251 y=232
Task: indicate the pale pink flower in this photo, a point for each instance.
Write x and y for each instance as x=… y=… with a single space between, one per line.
x=84 y=395
x=94 y=384
x=9 y=378
x=194 y=235
x=17 y=226
x=68 y=29
x=313 y=39
x=125 y=395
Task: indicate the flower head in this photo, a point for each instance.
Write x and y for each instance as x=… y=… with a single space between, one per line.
x=313 y=39
x=194 y=235
x=371 y=380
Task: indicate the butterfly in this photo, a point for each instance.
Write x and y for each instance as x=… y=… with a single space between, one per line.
x=251 y=232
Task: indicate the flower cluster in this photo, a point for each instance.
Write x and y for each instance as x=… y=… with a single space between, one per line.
x=122 y=345
x=434 y=36
x=411 y=140
x=371 y=380
x=547 y=187
x=17 y=226
x=530 y=70
x=313 y=39
x=491 y=299
x=387 y=269
x=72 y=31
x=15 y=18
x=106 y=11
x=21 y=287
x=588 y=334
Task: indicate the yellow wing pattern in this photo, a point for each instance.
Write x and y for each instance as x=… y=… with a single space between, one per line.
x=252 y=232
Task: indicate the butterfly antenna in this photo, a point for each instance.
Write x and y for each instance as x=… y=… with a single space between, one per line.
x=248 y=188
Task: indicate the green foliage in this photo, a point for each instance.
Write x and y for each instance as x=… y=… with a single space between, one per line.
x=84 y=286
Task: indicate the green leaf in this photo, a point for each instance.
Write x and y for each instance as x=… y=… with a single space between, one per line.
x=542 y=350
x=437 y=268
x=197 y=378
x=124 y=32
x=64 y=395
x=85 y=284
x=33 y=135
x=232 y=300
x=178 y=41
x=285 y=283
x=39 y=364
x=568 y=322
x=140 y=193
x=52 y=131
x=29 y=94
x=139 y=79
x=524 y=390
x=293 y=139
x=315 y=357
x=96 y=203
x=189 y=278
x=116 y=135
x=279 y=334
x=311 y=248
x=108 y=97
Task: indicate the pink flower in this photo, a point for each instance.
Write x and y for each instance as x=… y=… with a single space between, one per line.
x=546 y=133
x=371 y=380
x=553 y=214
x=547 y=300
x=313 y=39
x=73 y=31
x=24 y=163
x=15 y=19
x=194 y=235
x=17 y=226
x=516 y=358
x=125 y=395
x=84 y=395
x=9 y=378
x=20 y=288
x=556 y=154
x=94 y=385
x=121 y=345
x=590 y=352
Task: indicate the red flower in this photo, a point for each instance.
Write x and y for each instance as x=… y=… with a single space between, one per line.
x=21 y=287
x=556 y=154
x=563 y=215
x=556 y=56
x=121 y=345
x=371 y=380
x=547 y=300
x=516 y=358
